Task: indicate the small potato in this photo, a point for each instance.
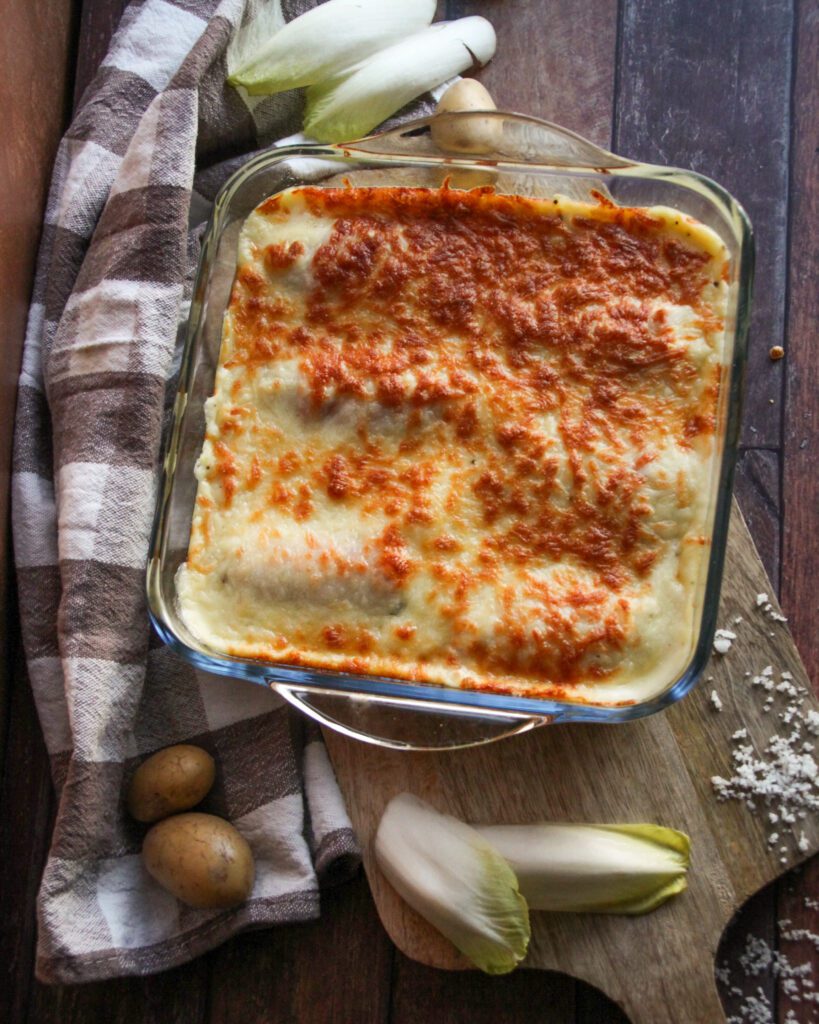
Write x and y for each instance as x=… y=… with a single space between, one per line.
x=201 y=859
x=171 y=780
x=466 y=135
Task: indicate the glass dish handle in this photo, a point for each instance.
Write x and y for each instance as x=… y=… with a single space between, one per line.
x=516 y=137
x=406 y=724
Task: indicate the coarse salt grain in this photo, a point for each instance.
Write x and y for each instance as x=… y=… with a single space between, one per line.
x=764 y=603
x=723 y=639
x=715 y=701
x=784 y=777
x=801 y=935
x=759 y=960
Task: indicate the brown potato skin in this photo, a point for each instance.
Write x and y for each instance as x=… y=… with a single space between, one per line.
x=171 y=780
x=201 y=859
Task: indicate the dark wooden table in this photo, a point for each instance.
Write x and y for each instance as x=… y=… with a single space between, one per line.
x=726 y=87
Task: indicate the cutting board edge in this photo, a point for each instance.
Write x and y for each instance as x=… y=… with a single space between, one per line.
x=631 y=1003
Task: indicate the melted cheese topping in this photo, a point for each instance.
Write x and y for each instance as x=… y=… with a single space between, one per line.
x=462 y=438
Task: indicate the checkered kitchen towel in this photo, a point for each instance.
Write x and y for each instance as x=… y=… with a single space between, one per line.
x=156 y=127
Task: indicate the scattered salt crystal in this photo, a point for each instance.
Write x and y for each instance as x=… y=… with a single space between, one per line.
x=780 y=780
x=759 y=961
x=802 y=935
x=783 y=779
x=755 y=1009
x=766 y=605
x=723 y=639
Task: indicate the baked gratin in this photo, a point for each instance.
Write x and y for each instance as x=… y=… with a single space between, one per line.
x=462 y=438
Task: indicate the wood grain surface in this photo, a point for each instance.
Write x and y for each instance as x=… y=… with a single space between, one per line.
x=800 y=455
x=707 y=86
x=730 y=88
x=660 y=967
x=35 y=36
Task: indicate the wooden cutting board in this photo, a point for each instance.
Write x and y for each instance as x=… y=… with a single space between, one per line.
x=660 y=967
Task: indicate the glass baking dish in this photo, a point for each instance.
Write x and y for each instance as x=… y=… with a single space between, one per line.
x=529 y=157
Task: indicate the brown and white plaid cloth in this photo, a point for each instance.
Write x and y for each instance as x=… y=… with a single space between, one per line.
x=156 y=128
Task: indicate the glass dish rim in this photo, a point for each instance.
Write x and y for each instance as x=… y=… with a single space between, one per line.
x=282 y=676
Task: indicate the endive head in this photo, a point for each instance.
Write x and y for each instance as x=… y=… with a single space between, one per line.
x=456 y=880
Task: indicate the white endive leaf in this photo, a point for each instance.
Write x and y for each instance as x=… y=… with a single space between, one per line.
x=323 y=42
x=354 y=102
x=607 y=869
x=250 y=38
x=456 y=880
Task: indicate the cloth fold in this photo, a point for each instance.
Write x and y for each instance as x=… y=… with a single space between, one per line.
x=117 y=257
